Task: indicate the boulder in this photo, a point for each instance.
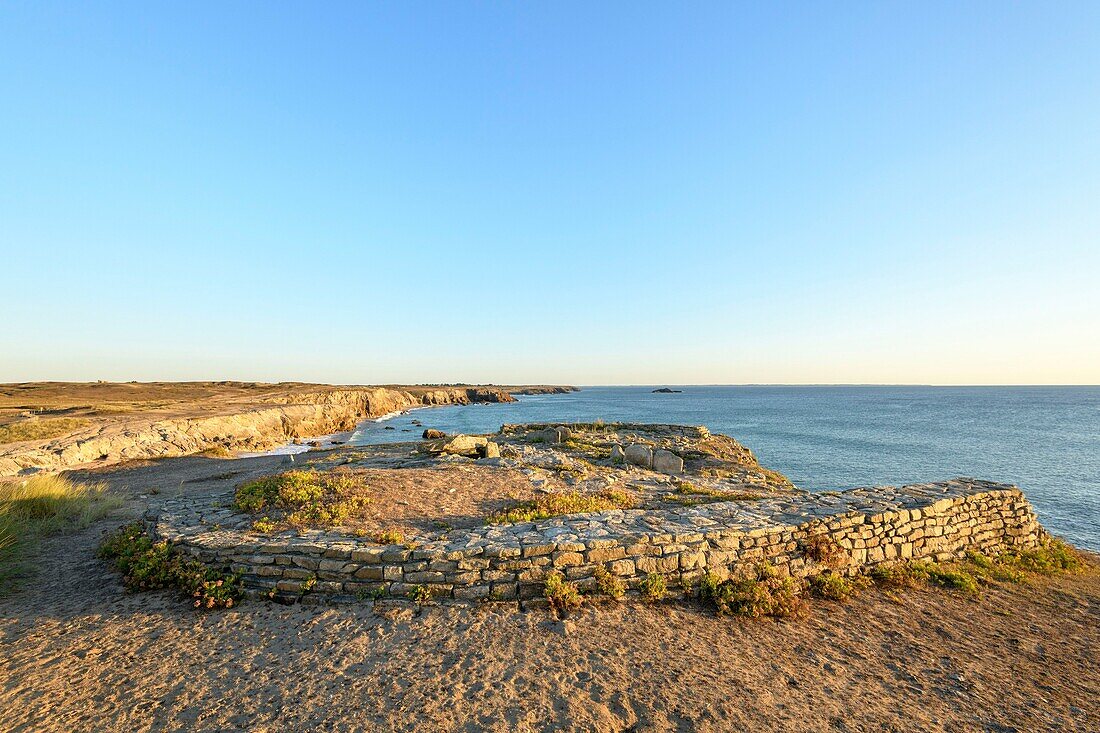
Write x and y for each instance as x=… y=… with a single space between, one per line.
x=564 y=434
x=617 y=455
x=460 y=445
x=433 y=434
x=639 y=455
x=549 y=435
x=492 y=450
x=667 y=462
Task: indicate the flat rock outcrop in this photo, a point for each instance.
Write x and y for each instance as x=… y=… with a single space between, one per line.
x=242 y=421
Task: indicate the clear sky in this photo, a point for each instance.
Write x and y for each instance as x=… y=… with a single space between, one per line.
x=587 y=193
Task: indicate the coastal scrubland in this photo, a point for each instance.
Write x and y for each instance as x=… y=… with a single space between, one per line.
x=112 y=628
x=82 y=653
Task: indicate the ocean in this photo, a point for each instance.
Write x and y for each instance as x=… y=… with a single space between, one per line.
x=1044 y=439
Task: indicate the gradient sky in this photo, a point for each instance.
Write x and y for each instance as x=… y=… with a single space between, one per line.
x=586 y=193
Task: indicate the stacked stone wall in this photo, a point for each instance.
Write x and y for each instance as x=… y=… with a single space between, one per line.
x=938 y=521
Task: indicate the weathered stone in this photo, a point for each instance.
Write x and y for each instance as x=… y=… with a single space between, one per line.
x=617 y=454
x=667 y=462
x=639 y=455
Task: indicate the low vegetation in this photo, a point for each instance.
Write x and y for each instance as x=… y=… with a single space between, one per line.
x=562 y=595
x=301 y=498
x=653 y=587
x=559 y=504
x=689 y=494
x=765 y=593
x=40 y=429
x=824 y=549
x=146 y=564
x=41 y=506
x=390 y=537
x=836 y=587
x=421 y=595
x=609 y=585
x=588 y=448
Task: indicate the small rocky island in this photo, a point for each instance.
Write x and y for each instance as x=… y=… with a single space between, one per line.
x=667 y=390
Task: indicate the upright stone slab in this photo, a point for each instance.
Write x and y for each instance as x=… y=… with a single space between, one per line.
x=639 y=455
x=667 y=462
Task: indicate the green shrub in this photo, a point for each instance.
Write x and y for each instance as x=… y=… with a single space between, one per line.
x=897 y=575
x=653 y=587
x=563 y=596
x=264 y=525
x=609 y=585
x=301 y=497
x=763 y=594
x=945 y=576
x=559 y=504
x=147 y=565
x=1051 y=557
x=390 y=537
x=832 y=586
x=421 y=595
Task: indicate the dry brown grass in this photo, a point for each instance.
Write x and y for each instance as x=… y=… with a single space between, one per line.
x=41 y=506
x=39 y=429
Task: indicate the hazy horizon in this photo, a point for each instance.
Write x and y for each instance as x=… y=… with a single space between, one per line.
x=567 y=194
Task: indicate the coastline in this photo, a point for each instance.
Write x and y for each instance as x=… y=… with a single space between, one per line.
x=210 y=417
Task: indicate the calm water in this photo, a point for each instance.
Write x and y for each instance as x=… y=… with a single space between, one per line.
x=1045 y=439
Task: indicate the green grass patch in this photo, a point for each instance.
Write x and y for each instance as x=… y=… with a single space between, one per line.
x=588 y=448
x=689 y=494
x=302 y=498
x=40 y=429
x=41 y=506
x=560 y=504
x=836 y=587
x=146 y=564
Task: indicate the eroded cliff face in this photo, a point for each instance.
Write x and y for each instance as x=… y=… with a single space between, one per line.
x=262 y=423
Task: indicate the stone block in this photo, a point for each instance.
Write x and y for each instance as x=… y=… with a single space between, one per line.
x=667 y=462
x=639 y=455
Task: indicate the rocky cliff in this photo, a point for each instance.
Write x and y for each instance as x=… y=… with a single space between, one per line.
x=260 y=423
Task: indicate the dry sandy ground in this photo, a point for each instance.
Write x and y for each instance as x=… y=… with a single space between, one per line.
x=79 y=654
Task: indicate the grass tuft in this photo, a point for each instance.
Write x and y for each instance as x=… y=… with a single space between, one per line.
x=38 y=429
x=41 y=506
x=835 y=587
x=563 y=595
x=390 y=537
x=653 y=587
x=559 y=504
x=688 y=494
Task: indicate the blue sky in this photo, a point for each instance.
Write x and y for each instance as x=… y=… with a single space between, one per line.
x=563 y=192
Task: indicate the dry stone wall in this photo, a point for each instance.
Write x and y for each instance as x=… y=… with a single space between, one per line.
x=876 y=525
